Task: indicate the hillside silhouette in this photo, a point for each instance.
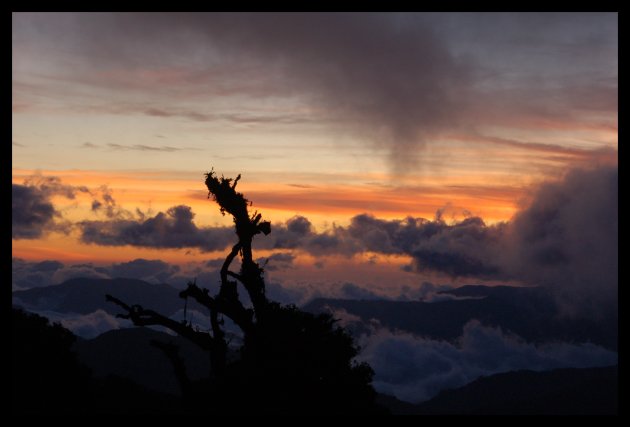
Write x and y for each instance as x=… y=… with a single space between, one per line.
x=586 y=391
x=49 y=380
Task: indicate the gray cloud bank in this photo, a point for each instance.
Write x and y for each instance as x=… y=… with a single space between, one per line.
x=33 y=214
x=171 y=229
x=32 y=211
x=565 y=239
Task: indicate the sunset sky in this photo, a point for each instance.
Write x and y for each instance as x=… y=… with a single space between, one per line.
x=346 y=128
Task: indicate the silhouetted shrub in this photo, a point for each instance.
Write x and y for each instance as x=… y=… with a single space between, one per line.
x=46 y=375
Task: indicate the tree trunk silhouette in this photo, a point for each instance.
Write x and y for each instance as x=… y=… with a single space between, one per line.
x=227 y=302
x=290 y=360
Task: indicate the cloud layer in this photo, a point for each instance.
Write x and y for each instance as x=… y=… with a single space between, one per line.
x=34 y=215
x=568 y=240
x=32 y=211
x=171 y=229
x=415 y=369
x=565 y=238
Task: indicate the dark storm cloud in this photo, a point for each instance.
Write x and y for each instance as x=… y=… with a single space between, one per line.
x=299 y=225
x=33 y=213
x=299 y=233
x=464 y=248
x=390 y=80
x=460 y=249
x=290 y=235
x=173 y=229
x=52 y=185
x=568 y=239
x=565 y=239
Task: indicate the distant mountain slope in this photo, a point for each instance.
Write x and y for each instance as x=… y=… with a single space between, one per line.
x=128 y=353
x=592 y=391
x=528 y=312
x=83 y=295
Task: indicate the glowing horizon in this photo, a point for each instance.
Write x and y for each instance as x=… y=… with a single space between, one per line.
x=444 y=120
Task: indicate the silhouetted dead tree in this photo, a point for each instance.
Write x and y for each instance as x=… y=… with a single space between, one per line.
x=227 y=303
x=284 y=349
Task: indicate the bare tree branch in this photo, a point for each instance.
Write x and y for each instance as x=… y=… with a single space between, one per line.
x=143 y=317
x=231 y=308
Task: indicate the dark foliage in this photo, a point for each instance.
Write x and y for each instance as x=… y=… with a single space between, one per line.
x=48 y=380
x=46 y=374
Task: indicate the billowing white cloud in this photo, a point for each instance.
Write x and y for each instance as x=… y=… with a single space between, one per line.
x=415 y=369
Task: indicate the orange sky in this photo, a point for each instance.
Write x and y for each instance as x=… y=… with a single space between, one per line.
x=322 y=131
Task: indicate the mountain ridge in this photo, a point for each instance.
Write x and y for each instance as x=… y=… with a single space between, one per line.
x=86 y=295
x=531 y=313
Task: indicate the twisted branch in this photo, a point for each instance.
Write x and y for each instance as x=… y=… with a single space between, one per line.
x=144 y=317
